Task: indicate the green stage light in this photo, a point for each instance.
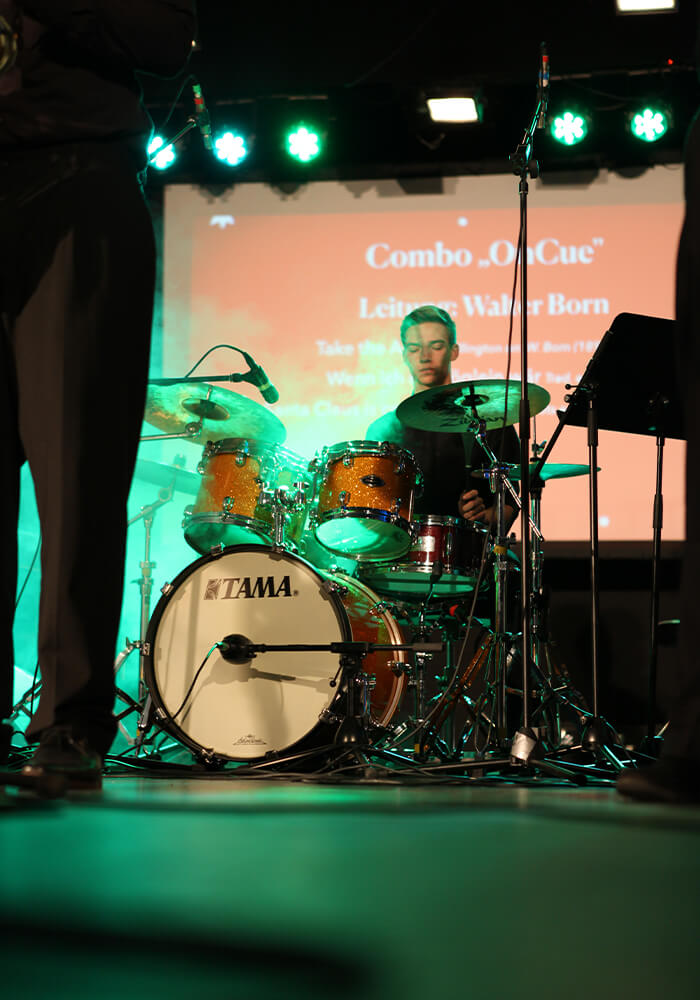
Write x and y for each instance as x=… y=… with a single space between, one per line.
x=569 y=128
x=231 y=148
x=303 y=144
x=160 y=155
x=649 y=124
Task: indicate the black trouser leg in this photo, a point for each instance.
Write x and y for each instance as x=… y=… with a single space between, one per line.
x=81 y=339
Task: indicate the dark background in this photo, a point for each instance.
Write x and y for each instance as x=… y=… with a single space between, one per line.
x=362 y=71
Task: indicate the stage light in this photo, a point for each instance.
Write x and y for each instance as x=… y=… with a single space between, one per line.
x=161 y=156
x=303 y=144
x=646 y=6
x=453 y=109
x=231 y=148
x=649 y=124
x=569 y=128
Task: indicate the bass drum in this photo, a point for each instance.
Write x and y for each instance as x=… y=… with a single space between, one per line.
x=269 y=704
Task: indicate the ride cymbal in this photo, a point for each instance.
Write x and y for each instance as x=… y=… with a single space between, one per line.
x=223 y=413
x=460 y=406
x=552 y=470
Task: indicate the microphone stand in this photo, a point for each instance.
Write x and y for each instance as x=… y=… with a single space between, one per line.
x=524 y=165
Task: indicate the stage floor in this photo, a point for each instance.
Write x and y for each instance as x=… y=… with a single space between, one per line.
x=222 y=888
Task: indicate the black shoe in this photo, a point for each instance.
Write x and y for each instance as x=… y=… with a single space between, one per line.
x=673 y=780
x=60 y=751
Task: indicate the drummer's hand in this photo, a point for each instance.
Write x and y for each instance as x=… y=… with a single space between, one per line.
x=471 y=506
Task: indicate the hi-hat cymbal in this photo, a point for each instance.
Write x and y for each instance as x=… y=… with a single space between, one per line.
x=224 y=414
x=552 y=470
x=459 y=406
x=167 y=475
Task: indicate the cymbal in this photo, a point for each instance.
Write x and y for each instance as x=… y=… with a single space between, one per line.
x=224 y=414
x=167 y=475
x=552 y=470
x=457 y=406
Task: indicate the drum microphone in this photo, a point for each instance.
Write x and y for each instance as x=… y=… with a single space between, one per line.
x=202 y=116
x=257 y=377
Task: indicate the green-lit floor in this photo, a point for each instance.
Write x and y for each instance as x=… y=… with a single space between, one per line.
x=218 y=889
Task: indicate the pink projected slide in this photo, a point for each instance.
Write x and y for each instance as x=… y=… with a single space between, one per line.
x=314 y=285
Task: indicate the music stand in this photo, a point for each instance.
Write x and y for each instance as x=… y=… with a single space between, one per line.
x=638 y=350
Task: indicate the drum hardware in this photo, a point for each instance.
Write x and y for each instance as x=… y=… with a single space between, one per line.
x=142 y=704
x=352 y=735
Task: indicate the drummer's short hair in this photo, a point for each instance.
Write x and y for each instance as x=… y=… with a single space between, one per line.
x=429 y=314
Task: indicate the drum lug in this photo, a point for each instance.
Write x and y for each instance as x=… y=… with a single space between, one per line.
x=400 y=467
x=328 y=716
x=385 y=448
x=397 y=505
x=201 y=468
x=368 y=681
x=348 y=459
x=399 y=667
x=227 y=505
x=343 y=497
x=331 y=587
x=145 y=647
x=187 y=513
x=166 y=589
x=378 y=609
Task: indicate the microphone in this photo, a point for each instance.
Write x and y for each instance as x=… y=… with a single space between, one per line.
x=202 y=116
x=543 y=85
x=258 y=378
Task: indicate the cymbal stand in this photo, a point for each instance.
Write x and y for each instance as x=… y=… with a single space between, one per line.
x=142 y=705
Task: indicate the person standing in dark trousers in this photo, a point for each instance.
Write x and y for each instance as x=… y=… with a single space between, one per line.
x=77 y=276
x=675 y=777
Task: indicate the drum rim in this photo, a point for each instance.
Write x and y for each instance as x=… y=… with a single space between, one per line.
x=450 y=520
x=395 y=635
x=382 y=449
x=372 y=513
x=165 y=719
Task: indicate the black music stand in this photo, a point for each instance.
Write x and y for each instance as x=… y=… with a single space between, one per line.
x=639 y=353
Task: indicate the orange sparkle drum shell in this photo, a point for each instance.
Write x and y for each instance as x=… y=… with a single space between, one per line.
x=236 y=474
x=365 y=492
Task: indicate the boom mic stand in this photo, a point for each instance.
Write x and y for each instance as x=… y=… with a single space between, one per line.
x=524 y=165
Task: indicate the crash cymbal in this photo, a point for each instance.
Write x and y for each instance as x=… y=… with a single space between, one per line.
x=224 y=414
x=167 y=475
x=458 y=406
x=552 y=470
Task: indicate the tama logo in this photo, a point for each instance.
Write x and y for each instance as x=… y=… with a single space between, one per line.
x=230 y=588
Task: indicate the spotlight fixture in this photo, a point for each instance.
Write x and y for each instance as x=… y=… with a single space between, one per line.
x=649 y=124
x=453 y=109
x=161 y=156
x=646 y=6
x=303 y=143
x=569 y=127
x=230 y=148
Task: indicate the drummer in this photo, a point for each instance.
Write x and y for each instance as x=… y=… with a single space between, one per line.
x=429 y=340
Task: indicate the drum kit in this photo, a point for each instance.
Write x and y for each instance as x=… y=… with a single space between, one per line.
x=317 y=594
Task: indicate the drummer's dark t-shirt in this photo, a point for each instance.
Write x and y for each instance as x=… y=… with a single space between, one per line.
x=446 y=460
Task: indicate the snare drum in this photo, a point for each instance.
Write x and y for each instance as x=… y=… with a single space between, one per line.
x=364 y=493
x=458 y=545
x=232 y=507
x=245 y=711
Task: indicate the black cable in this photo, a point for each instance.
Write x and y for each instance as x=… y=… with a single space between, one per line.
x=29 y=572
x=196 y=677
x=33 y=689
x=394 y=52
x=190 y=76
x=206 y=354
